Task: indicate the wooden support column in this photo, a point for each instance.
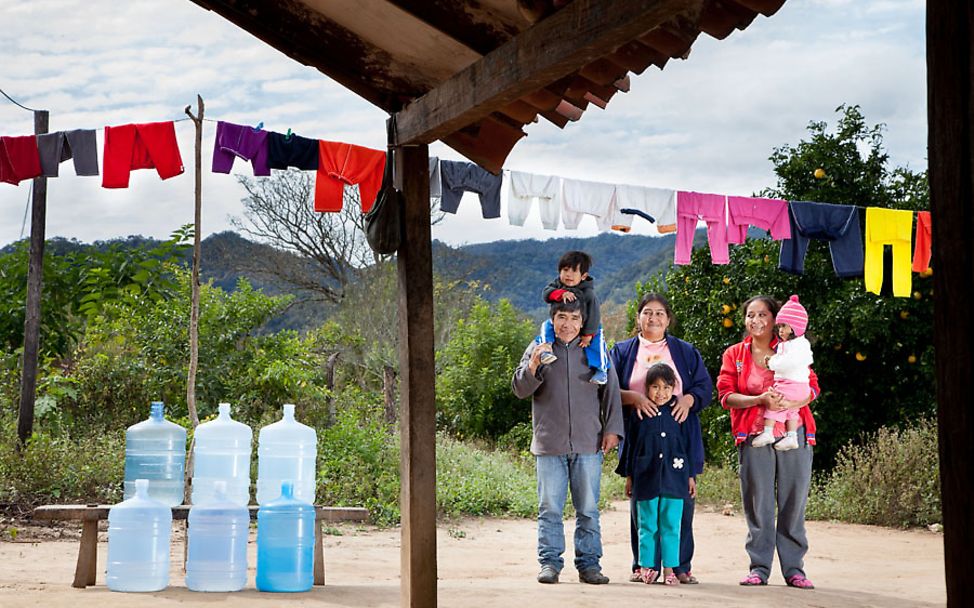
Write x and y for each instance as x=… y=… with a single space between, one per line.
x=950 y=103
x=417 y=425
x=35 y=279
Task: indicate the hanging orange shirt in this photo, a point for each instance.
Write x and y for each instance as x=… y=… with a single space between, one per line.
x=922 y=253
x=340 y=164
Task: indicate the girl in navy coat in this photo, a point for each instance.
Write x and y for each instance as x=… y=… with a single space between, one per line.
x=656 y=464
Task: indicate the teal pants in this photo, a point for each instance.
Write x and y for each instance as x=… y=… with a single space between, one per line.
x=659 y=524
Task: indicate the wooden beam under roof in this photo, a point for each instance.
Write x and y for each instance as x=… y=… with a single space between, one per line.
x=576 y=35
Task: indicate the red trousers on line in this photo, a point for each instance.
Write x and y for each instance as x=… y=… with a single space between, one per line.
x=144 y=146
x=19 y=159
x=922 y=252
x=340 y=164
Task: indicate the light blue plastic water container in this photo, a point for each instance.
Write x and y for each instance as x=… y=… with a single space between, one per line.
x=286 y=449
x=285 y=543
x=222 y=453
x=139 y=530
x=155 y=449
x=217 y=553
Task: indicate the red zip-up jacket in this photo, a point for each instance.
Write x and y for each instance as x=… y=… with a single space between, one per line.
x=735 y=367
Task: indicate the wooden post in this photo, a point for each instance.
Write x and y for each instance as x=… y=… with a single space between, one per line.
x=950 y=102
x=35 y=280
x=194 y=306
x=416 y=370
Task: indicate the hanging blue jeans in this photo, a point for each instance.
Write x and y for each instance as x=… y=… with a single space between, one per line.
x=582 y=473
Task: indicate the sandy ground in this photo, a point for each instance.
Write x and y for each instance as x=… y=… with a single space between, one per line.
x=490 y=562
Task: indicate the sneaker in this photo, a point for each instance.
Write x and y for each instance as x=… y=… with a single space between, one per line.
x=547 y=358
x=548 y=575
x=790 y=442
x=593 y=576
x=599 y=377
x=762 y=440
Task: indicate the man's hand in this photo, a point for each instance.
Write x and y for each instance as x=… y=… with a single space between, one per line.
x=535 y=361
x=682 y=408
x=584 y=341
x=609 y=442
x=629 y=487
x=568 y=296
x=693 y=488
x=643 y=407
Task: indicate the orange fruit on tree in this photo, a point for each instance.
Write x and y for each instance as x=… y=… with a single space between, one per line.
x=819 y=173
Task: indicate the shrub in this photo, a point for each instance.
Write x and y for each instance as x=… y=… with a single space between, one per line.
x=891 y=479
x=719 y=486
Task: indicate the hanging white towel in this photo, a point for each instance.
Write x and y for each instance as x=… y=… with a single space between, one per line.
x=587 y=198
x=525 y=187
x=657 y=202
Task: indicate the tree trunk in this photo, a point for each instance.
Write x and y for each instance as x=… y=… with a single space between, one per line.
x=330 y=385
x=389 y=393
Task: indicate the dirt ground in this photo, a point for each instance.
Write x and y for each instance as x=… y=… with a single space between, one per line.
x=491 y=563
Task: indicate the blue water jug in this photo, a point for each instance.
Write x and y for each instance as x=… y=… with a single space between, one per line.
x=286 y=449
x=217 y=538
x=139 y=530
x=222 y=453
x=155 y=449
x=285 y=543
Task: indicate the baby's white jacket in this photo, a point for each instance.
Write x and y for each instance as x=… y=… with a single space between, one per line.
x=792 y=360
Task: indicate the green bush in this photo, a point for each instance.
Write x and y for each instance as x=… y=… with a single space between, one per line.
x=892 y=479
x=59 y=468
x=719 y=486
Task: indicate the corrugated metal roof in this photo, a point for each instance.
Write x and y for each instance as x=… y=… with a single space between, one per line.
x=391 y=52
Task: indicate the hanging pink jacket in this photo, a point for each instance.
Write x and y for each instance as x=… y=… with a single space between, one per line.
x=693 y=206
x=768 y=213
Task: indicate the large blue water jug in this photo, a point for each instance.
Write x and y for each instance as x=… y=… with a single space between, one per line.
x=286 y=449
x=139 y=530
x=285 y=543
x=217 y=538
x=222 y=453
x=155 y=449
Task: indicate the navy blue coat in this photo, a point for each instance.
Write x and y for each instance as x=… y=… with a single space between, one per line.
x=656 y=456
x=694 y=376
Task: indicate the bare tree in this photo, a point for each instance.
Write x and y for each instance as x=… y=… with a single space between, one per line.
x=319 y=253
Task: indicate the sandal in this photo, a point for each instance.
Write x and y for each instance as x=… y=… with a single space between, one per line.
x=687 y=578
x=650 y=576
x=636 y=576
x=671 y=579
x=753 y=579
x=799 y=581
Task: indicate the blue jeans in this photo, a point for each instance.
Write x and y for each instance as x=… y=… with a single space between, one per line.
x=583 y=474
x=595 y=353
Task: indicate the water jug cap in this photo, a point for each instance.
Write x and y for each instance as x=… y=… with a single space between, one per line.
x=155 y=410
x=224 y=410
x=289 y=411
x=142 y=488
x=287 y=489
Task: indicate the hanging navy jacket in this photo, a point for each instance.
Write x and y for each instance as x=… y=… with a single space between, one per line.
x=837 y=224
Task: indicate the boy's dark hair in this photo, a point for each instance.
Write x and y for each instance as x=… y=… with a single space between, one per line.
x=575 y=259
x=660 y=371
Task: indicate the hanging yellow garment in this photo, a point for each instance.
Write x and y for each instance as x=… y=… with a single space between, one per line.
x=888 y=227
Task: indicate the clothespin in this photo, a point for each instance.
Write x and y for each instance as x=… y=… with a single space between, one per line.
x=259 y=126
x=288 y=136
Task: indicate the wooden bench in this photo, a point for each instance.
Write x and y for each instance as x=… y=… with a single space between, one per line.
x=90 y=515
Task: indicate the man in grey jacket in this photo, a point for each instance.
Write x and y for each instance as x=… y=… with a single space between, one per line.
x=574 y=422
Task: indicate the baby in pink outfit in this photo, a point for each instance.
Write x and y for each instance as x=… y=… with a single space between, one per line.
x=790 y=364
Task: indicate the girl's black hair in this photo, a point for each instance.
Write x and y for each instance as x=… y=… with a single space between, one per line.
x=660 y=371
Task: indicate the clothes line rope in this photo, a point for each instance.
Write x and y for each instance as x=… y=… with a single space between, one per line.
x=17 y=103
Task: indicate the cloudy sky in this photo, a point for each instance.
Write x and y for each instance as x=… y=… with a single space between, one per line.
x=708 y=123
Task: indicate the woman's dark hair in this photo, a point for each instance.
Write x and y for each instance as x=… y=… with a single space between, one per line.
x=768 y=301
x=660 y=371
x=654 y=297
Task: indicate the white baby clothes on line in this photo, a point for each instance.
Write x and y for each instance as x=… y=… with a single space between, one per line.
x=436 y=182
x=525 y=187
x=587 y=198
x=657 y=202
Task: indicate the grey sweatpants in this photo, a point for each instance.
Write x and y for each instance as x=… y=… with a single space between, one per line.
x=774 y=486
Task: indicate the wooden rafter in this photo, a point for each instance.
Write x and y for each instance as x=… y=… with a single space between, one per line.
x=580 y=33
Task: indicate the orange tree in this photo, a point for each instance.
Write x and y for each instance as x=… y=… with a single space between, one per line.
x=873 y=353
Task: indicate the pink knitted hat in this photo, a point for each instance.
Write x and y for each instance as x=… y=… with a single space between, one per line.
x=793 y=314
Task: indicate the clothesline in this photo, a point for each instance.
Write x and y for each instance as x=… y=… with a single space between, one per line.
x=15 y=102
